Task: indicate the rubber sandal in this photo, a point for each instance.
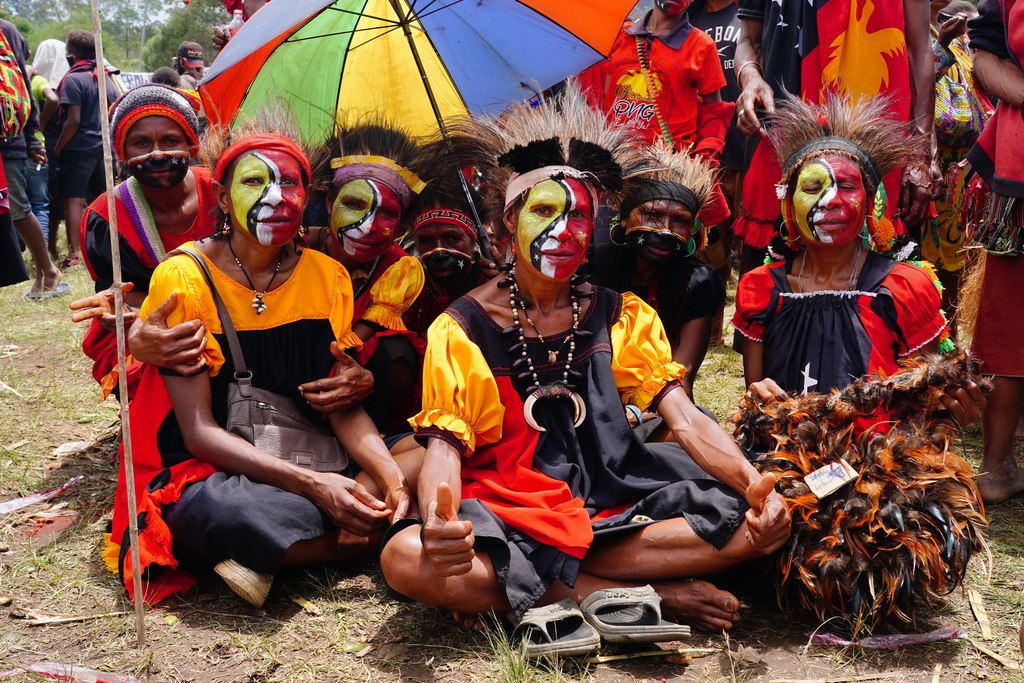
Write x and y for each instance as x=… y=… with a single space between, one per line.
x=556 y=630
x=61 y=289
x=250 y=585
x=630 y=615
x=70 y=262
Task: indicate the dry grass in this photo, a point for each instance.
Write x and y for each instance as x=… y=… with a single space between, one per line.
x=354 y=630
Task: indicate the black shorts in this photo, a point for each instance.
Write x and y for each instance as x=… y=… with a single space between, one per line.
x=80 y=175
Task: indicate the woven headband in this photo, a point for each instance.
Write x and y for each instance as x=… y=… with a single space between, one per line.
x=452 y=217
x=401 y=180
x=154 y=100
x=660 y=189
x=837 y=145
x=270 y=142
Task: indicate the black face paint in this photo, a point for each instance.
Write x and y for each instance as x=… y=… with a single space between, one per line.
x=142 y=167
x=641 y=241
x=455 y=264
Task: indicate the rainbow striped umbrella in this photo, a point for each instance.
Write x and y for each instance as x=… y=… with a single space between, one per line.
x=414 y=61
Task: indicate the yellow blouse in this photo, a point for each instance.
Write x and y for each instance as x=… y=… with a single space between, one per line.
x=394 y=292
x=319 y=287
x=460 y=394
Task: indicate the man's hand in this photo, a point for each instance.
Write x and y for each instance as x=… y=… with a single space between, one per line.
x=38 y=155
x=766 y=390
x=952 y=28
x=756 y=95
x=350 y=506
x=348 y=386
x=768 y=520
x=447 y=542
x=964 y=403
x=916 y=192
x=179 y=348
x=101 y=307
x=220 y=37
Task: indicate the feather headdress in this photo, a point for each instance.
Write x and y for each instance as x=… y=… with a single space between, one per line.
x=563 y=137
x=860 y=129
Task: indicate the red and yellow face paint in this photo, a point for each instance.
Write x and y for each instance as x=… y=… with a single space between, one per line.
x=268 y=195
x=365 y=217
x=555 y=225
x=829 y=200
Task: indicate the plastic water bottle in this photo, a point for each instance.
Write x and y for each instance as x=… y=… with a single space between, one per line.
x=236 y=23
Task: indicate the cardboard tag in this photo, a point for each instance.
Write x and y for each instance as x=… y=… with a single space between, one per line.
x=827 y=480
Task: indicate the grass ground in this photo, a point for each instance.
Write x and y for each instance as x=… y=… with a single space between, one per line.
x=340 y=624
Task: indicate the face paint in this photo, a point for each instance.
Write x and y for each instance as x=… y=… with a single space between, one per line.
x=659 y=229
x=829 y=201
x=446 y=252
x=365 y=217
x=554 y=227
x=673 y=8
x=159 y=168
x=268 y=195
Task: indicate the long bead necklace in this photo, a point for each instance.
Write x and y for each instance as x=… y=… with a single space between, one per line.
x=559 y=389
x=257 y=296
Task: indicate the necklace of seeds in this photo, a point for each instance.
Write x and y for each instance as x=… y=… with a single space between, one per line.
x=516 y=302
x=257 y=298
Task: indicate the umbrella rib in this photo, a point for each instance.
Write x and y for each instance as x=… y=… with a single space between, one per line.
x=391 y=28
x=420 y=13
x=359 y=14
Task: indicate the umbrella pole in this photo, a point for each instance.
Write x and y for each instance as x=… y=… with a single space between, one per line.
x=122 y=373
x=485 y=242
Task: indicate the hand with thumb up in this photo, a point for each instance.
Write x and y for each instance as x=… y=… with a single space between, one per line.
x=447 y=542
x=768 y=519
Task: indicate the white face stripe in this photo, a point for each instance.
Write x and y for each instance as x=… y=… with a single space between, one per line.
x=361 y=228
x=821 y=205
x=268 y=201
x=558 y=228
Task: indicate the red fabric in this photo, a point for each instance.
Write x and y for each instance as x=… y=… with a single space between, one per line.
x=522 y=497
x=5 y=199
x=680 y=77
x=148 y=411
x=264 y=141
x=1000 y=327
x=99 y=344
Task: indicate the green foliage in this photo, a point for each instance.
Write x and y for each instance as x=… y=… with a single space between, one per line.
x=194 y=22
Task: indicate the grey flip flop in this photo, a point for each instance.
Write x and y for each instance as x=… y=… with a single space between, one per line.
x=556 y=630
x=630 y=615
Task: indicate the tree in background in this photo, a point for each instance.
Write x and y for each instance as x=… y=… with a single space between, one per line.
x=193 y=22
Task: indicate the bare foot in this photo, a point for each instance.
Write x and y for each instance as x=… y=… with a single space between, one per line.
x=50 y=281
x=471 y=621
x=1001 y=483
x=699 y=603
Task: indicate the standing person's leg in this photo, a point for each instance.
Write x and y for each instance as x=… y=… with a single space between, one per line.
x=75 y=176
x=47 y=275
x=56 y=206
x=37 y=176
x=996 y=342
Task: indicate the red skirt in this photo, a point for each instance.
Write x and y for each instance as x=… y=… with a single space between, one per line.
x=1000 y=326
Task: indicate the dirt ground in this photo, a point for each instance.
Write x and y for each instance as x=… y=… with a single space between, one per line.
x=340 y=623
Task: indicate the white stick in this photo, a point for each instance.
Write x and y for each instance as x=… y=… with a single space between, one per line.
x=122 y=370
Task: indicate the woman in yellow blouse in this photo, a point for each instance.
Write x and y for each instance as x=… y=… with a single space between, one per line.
x=370 y=187
x=209 y=497
x=533 y=488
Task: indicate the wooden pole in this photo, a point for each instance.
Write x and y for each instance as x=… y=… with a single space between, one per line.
x=122 y=371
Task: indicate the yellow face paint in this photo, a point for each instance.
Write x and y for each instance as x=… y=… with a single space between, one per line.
x=248 y=184
x=829 y=200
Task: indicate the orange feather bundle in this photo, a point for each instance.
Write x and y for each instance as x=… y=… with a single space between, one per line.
x=897 y=537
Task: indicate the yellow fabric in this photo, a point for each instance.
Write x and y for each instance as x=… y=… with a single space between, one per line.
x=290 y=302
x=379 y=63
x=394 y=292
x=641 y=355
x=460 y=394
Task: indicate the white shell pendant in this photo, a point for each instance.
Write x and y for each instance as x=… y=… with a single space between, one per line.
x=258 y=304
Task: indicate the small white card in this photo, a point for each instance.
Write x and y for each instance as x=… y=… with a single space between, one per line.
x=826 y=480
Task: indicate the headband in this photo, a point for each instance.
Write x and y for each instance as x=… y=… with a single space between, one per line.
x=401 y=180
x=452 y=217
x=270 y=142
x=521 y=183
x=153 y=99
x=660 y=189
x=837 y=145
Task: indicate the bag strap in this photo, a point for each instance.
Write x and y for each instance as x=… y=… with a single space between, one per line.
x=644 y=58
x=242 y=375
